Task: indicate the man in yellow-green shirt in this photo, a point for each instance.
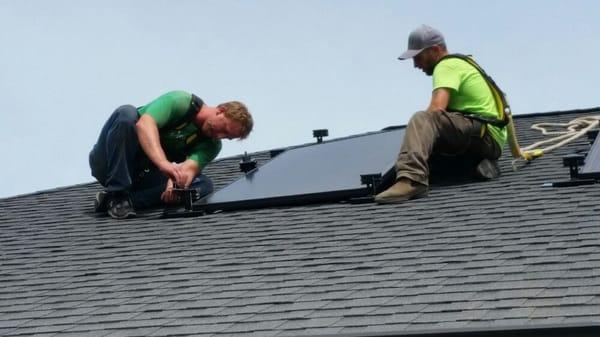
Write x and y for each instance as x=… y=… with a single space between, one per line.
x=454 y=122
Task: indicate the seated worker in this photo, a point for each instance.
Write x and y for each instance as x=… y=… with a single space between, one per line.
x=452 y=123
x=143 y=153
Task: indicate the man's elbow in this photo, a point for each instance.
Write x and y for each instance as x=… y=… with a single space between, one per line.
x=145 y=122
x=140 y=126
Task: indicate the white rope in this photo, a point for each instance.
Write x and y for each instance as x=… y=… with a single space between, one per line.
x=575 y=129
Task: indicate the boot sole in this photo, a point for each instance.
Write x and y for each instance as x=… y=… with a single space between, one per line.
x=399 y=200
x=128 y=215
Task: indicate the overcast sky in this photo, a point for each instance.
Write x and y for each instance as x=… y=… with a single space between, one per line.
x=298 y=65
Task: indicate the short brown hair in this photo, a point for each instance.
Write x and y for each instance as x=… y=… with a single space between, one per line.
x=237 y=111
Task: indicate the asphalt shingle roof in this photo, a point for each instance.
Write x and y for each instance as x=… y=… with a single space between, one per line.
x=473 y=255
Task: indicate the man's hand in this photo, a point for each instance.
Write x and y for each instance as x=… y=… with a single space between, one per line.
x=169 y=196
x=176 y=173
x=186 y=172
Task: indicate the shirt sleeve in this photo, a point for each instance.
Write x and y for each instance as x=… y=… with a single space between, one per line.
x=445 y=75
x=167 y=108
x=205 y=152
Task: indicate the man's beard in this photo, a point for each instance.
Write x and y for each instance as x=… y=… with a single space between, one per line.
x=428 y=71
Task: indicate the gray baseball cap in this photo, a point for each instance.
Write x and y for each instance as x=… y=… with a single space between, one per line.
x=421 y=38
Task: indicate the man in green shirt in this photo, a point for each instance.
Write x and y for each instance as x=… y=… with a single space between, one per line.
x=453 y=122
x=143 y=153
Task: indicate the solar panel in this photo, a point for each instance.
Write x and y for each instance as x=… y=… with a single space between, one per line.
x=584 y=170
x=591 y=167
x=327 y=171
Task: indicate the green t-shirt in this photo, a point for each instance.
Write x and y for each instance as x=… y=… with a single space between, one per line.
x=179 y=137
x=469 y=92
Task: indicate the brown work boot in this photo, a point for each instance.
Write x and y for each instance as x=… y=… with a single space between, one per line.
x=404 y=189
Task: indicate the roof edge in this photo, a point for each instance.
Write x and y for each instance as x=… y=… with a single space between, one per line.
x=544 y=330
x=559 y=112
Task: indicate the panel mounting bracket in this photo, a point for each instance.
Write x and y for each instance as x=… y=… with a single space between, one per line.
x=579 y=173
x=320 y=133
x=187 y=196
x=371 y=181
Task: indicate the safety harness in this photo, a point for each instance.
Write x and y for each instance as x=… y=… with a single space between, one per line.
x=195 y=104
x=498 y=94
x=504 y=113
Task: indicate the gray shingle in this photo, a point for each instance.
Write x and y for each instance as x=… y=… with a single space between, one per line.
x=472 y=255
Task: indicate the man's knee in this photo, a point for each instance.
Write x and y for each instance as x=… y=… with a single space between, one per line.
x=97 y=166
x=126 y=115
x=424 y=116
x=422 y=119
x=419 y=115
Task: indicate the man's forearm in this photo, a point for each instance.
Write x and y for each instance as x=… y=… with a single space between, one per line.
x=149 y=139
x=439 y=100
x=148 y=136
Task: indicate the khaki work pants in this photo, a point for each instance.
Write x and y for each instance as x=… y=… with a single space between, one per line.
x=445 y=133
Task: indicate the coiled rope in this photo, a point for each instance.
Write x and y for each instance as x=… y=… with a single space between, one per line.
x=575 y=129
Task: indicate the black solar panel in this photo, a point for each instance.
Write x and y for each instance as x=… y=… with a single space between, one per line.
x=326 y=171
x=592 y=160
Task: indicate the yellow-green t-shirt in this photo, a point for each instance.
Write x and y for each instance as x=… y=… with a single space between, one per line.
x=469 y=92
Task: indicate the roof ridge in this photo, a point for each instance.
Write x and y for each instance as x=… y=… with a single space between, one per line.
x=393 y=127
x=266 y=152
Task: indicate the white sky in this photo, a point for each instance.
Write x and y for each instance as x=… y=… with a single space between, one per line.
x=65 y=65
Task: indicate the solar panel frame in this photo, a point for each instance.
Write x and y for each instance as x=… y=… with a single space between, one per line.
x=322 y=172
x=591 y=166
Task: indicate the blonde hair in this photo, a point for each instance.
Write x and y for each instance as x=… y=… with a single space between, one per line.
x=237 y=111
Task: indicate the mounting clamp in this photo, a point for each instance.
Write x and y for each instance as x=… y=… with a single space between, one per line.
x=573 y=161
x=319 y=134
x=247 y=164
x=371 y=180
x=188 y=196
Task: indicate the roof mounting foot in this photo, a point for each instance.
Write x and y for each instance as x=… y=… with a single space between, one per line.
x=372 y=181
x=573 y=161
x=247 y=164
x=188 y=196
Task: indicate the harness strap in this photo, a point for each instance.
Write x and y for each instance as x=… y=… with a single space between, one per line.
x=497 y=93
x=195 y=105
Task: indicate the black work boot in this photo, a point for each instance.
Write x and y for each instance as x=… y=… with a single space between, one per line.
x=487 y=169
x=119 y=207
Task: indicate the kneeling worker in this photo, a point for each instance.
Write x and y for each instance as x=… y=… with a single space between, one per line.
x=458 y=120
x=143 y=153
